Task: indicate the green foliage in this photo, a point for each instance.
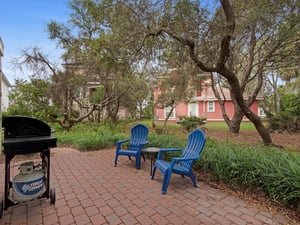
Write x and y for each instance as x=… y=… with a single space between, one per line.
x=274 y=171
x=30 y=98
x=87 y=137
x=136 y=96
x=104 y=54
x=97 y=96
x=191 y=123
x=288 y=118
x=165 y=141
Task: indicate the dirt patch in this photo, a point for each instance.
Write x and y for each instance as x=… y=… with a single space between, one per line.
x=289 y=141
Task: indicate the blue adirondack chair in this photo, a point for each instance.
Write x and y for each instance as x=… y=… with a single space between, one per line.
x=138 y=139
x=181 y=165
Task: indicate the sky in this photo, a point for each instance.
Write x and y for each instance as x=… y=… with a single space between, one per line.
x=23 y=24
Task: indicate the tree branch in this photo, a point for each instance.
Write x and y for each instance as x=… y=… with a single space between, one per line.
x=187 y=42
x=229 y=29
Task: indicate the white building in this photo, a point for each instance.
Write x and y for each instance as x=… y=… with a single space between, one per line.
x=5 y=85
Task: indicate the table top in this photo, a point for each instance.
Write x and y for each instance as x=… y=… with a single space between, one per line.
x=151 y=150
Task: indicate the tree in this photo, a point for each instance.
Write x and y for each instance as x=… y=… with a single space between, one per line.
x=288 y=118
x=31 y=98
x=96 y=44
x=137 y=97
x=218 y=52
x=236 y=41
x=93 y=52
x=63 y=89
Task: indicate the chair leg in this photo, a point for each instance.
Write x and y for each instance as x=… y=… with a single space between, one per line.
x=167 y=176
x=116 y=160
x=192 y=176
x=138 y=162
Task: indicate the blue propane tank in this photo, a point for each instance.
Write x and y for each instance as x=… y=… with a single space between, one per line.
x=28 y=184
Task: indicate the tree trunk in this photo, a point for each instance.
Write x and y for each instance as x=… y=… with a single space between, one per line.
x=236 y=120
x=167 y=118
x=234 y=123
x=112 y=115
x=236 y=91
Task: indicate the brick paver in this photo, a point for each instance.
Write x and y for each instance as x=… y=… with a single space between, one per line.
x=90 y=190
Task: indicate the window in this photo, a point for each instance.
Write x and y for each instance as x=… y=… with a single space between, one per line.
x=210 y=106
x=79 y=93
x=261 y=112
x=167 y=111
x=193 y=109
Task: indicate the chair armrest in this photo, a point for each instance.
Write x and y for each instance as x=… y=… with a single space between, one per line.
x=176 y=159
x=141 y=145
x=145 y=143
x=165 y=150
x=122 y=141
x=181 y=159
x=119 y=143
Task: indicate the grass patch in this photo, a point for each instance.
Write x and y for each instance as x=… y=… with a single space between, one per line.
x=223 y=126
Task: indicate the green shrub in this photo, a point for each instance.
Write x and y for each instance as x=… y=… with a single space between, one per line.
x=288 y=118
x=165 y=141
x=86 y=137
x=191 y=123
x=274 y=171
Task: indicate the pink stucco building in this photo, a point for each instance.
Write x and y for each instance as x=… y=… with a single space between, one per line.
x=204 y=104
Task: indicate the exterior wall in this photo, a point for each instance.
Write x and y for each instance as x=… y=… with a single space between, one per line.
x=182 y=109
x=5 y=85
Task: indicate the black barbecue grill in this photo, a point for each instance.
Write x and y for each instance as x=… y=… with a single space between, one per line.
x=25 y=135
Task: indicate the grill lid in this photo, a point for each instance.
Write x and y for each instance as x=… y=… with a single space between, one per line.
x=23 y=127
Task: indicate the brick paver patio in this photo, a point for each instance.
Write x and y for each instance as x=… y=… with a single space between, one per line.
x=90 y=190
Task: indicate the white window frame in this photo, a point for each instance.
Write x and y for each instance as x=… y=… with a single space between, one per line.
x=210 y=108
x=261 y=112
x=167 y=110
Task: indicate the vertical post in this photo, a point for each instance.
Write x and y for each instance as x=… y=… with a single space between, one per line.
x=1 y=54
x=0 y=110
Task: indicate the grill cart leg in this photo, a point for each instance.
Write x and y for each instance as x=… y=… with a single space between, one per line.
x=8 y=184
x=52 y=196
x=1 y=208
x=45 y=155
